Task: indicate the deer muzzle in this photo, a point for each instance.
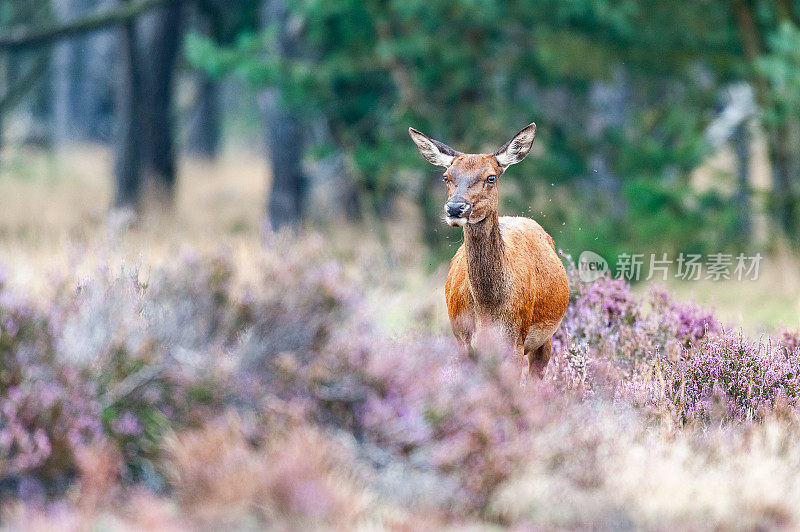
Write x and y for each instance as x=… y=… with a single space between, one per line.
x=457 y=212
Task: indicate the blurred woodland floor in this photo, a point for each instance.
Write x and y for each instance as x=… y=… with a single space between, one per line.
x=55 y=217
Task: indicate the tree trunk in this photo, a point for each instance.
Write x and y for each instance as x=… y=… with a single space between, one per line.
x=82 y=86
x=5 y=87
x=285 y=146
x=161 y=41
x=784 y=205
x=127 y=167
x=205 y=124
x=784 y=171
x=740 y=141
x=97 y=84
x=285 y=139
x=66 y=74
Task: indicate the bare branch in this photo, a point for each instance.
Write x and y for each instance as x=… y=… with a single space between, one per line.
x=21 y=40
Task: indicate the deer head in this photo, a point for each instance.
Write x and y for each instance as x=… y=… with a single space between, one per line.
x=472 y=178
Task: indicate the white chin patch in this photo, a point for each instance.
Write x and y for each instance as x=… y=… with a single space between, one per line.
x=455 y=222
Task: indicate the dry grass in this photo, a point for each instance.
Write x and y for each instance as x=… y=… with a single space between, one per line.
x=56 y=212
x=56 y=217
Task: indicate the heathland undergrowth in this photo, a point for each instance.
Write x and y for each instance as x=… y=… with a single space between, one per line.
x=180 y=397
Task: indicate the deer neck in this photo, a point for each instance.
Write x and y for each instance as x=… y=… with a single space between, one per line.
x=486 y=262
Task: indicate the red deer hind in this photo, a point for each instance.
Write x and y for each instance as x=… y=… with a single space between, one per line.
x=507 y=272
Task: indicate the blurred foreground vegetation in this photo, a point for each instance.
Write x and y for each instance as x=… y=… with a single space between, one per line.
x=218 y=375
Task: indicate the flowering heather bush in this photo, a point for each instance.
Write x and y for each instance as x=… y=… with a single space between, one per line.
x=746 y=376
x=673 y=357
x=789 y=341
x=121 y=359
x=45 y=413
x=278 y=402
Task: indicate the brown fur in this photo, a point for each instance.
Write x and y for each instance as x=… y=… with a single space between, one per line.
x=507 y=271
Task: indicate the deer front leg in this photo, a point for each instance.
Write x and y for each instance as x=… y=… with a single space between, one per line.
x=463 y=327
x=464 y=347
x=538 y=358
x=525 y=365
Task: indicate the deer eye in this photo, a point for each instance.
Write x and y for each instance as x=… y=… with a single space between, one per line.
x=491 y=179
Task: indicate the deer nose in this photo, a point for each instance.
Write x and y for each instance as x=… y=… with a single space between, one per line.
x=456 y=209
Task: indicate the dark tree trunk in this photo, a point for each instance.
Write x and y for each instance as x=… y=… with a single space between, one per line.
x=740 y=142
x=205 y=125
x=66 y=77
x=784 y=171
x=127 y=167
x=285 y=145
x=285 y=139
x=5 y=84
x=783 y=202
x=145 y=145
x=161 y=44
x=97 y=84
x=82 y=85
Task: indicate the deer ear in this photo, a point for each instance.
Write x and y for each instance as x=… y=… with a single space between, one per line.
x=434 y=151
x=517 y=148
